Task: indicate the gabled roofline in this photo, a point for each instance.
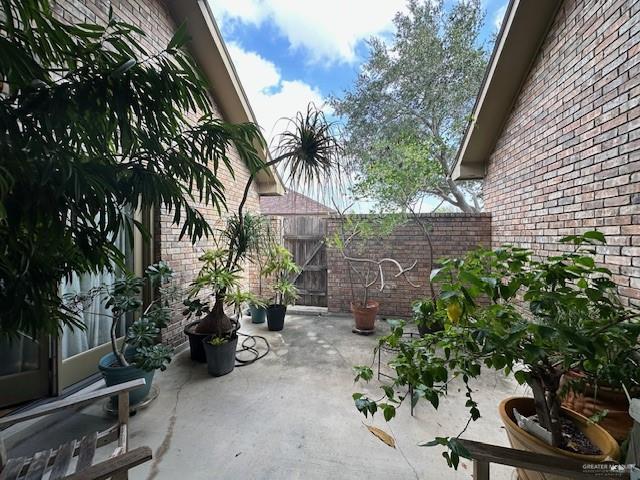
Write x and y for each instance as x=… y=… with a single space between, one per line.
x=210 y=51
x=524 y=28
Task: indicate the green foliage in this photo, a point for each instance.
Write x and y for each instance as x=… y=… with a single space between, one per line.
x=309 y=150
x=217 y=341
x=280 y=266
x=93 y=128
x=153 y=357
x=214 y=274
x=243 y=237
x=237 y=299
x=572 y=319
x=396 y=173
x=355 y=230
x=407 y=110
x=124 y=298
x=427 y=315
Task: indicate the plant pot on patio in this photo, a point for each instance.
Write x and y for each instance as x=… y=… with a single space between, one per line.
x=258 y=313
x=114 y=374
x=275 y=317
x=195 y=342
x=590 y=401
x=220 y=355
x=365 y=316
x=522 y=440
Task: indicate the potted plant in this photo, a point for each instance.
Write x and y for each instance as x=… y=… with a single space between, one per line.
x=309 y=152
x=206 y=301
x=366 y=271
x=571 y=316
x=601 y=395
x=220 y=350
x=280 y=266
x=259 y=254
x=427 y=316
x=141 y=352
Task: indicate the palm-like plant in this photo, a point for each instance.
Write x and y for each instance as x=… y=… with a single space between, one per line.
x=93 y=128
x=280 y=265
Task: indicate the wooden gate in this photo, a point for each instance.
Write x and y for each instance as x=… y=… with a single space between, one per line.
x=304 y=236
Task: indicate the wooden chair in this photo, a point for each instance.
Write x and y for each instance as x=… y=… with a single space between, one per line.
x=57 y=460
x=483 y=455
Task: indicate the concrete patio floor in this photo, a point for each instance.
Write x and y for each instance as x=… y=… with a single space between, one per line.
x=291 y=416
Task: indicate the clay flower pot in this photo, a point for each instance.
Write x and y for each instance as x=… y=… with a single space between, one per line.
x=617 y=422
x=522 y=440
x=365 y=316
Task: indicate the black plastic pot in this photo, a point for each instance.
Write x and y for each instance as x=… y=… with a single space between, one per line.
x=432 y=327
x=195 y=342
x=275 y=317
x=424 y=329
x=221 y=359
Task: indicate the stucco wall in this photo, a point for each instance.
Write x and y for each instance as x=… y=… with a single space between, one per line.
x=153 y=18
x=568 y=158
x=453 y=234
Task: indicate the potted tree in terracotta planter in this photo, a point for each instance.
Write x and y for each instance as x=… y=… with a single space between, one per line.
x=572 y=315
x=280 y=267
x=141 y=352
x=363 y=270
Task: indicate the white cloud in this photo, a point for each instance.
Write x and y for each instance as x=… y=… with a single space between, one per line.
x=329 y=30
x=272 y=98
x=499 y=16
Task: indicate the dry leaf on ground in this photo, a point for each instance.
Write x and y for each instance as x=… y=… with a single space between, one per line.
x=382 y=435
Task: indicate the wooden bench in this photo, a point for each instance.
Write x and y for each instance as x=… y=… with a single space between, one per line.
x=57 y=460
x=483 y=455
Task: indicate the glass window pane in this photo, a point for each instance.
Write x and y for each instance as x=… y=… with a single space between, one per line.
x=18 y=355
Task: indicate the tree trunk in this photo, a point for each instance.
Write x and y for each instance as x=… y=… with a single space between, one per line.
x=547 y=408
x=216 y=322
x=114 y=341
x=461 y=201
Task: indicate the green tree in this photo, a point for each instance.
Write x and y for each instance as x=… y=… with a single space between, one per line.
x=93 y=128
x=413 y=96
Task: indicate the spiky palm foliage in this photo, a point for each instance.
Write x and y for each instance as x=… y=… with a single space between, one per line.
x=93 y=127
x=308 y=149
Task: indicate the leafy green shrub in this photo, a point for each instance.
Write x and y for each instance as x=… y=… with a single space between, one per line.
x=571 y=318
x=280 y=266
x=124 y=299
x=93 y=128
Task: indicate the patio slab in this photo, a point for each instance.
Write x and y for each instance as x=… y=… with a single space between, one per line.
x=291 y=416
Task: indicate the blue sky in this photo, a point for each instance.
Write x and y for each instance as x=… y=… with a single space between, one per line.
x=291 y=52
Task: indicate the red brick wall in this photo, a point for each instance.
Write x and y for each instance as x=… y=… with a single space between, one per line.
x=453 y=234
x=153 y=18
x=568 y=158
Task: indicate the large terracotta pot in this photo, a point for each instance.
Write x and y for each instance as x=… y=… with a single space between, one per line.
x=521 y=440
x=617 y=422
x=365 y=316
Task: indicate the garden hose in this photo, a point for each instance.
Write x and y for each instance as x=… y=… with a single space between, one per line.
x=249 y=344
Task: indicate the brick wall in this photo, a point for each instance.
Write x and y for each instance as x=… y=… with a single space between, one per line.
x=452 y=234
x=153 y=18
x=568 y=158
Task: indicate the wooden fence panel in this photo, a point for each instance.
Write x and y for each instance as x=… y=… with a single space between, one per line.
x=304 y=236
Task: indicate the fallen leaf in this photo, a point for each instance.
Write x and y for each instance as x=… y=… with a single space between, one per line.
x=382 y=435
